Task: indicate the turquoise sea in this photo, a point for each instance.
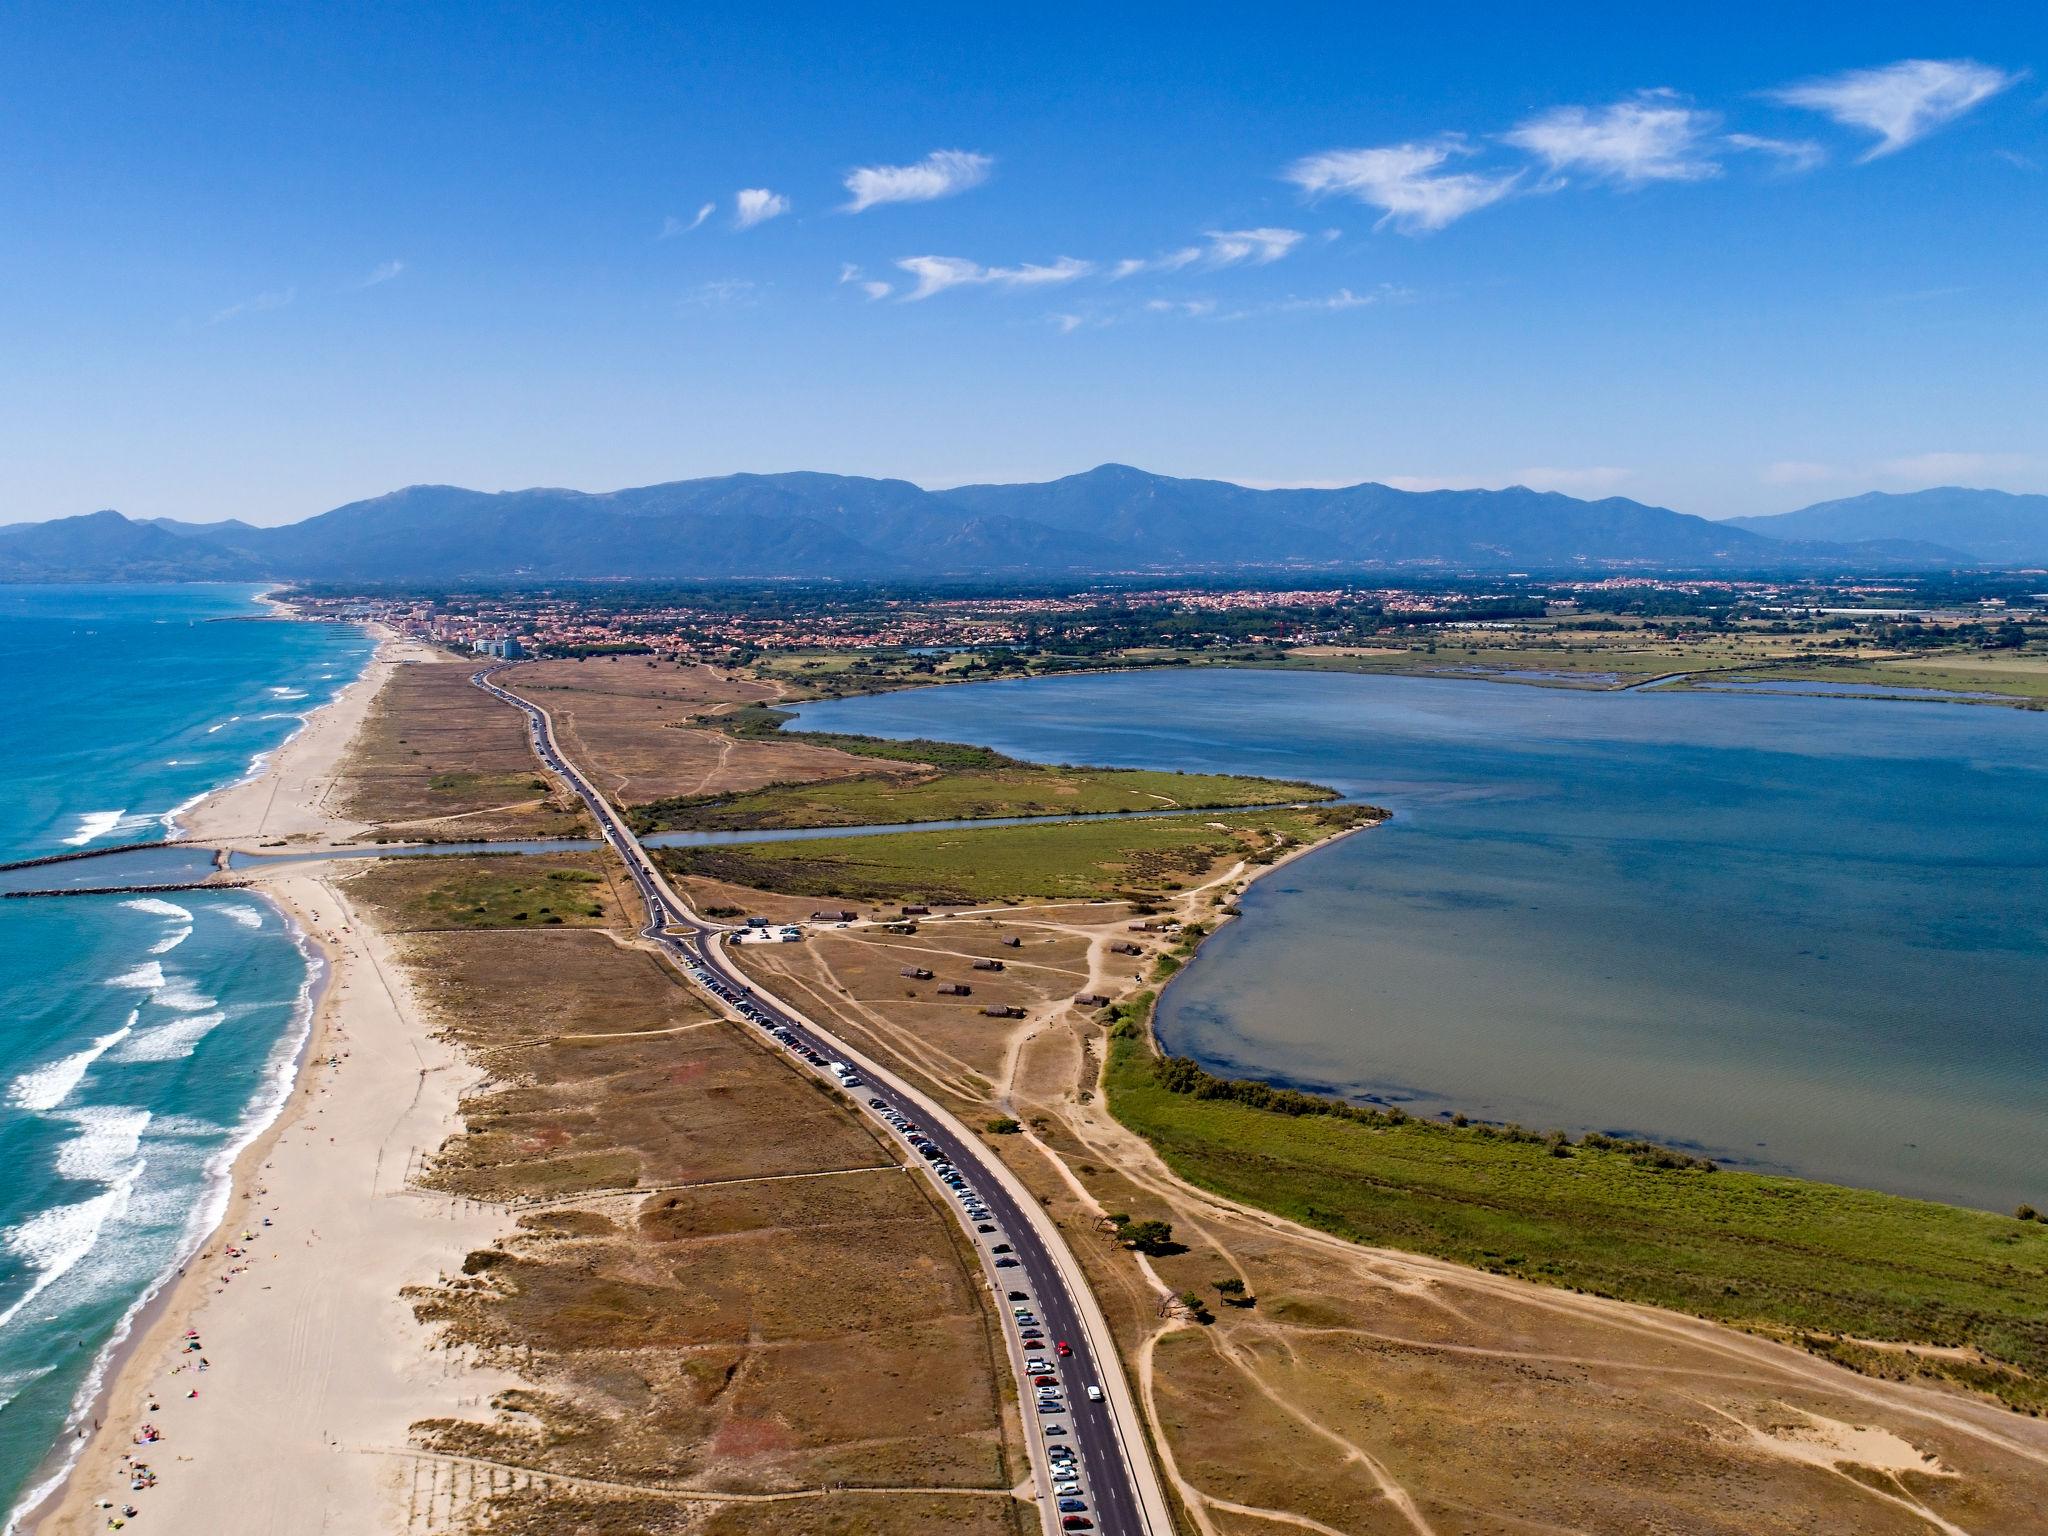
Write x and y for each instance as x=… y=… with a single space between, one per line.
x=143 y=1040
x=1801 y=934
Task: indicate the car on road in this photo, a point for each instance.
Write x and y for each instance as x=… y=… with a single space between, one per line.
x=1094 y=1393
x=1066 y=1349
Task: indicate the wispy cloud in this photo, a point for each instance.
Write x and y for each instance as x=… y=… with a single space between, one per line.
x=874 y=288
x=722 y=293
x=673 y=226
x=1193 y=309
x=255 y=304
x=757 y=205
x=381 y=273
x=942 y=173
x=1792 y=155
x=1172 y=261
x=1259 y=247
x=1406 y=181
x=935 y=274
x=1901 y=102
x=1951 y=468
x=1650 y=137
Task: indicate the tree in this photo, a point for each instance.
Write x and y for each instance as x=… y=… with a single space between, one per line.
x=1153 y=1237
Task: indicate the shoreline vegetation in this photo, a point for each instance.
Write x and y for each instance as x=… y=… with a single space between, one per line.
x=1884 y=1284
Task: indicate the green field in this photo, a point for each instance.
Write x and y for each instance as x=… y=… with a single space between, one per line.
x=968 y=793
x=1779 y=1255
x=1085 y=860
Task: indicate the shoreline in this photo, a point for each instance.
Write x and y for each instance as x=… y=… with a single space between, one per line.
x=273 y=1173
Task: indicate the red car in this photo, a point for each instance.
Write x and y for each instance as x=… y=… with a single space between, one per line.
x=1066 y=1348
x=1077 y=1523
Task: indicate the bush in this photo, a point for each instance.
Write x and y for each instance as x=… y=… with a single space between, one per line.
x=1003 y=1125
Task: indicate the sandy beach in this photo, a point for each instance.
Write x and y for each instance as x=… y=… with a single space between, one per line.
x=288 y=798
x=281 y=1370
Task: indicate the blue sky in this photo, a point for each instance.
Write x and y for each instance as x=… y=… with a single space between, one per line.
x=258 y=261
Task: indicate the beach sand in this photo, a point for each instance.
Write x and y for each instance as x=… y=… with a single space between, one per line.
x=289 y=798
x=315 y=1366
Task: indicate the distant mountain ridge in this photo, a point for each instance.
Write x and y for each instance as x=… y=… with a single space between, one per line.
x=1996 y=527
x=1108 y=520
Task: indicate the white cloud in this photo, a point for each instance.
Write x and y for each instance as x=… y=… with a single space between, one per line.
x=1793 y=155
x=1172 y=261
x=1650 y=137
x=1899 y=102
x=942 y=173
x=383 y=272
x=1799 y=472
x=1260 y=247
x=673 y=226
x=873 y=288
x=1952 y=468
x=935 y=274
x=1406 y=181
x=757 y=205
x=1069 y=324
x=256 y=304
x=1591 y=479
x=1193 y=309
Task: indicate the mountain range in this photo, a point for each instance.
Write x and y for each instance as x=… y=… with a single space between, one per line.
x=1109 y=520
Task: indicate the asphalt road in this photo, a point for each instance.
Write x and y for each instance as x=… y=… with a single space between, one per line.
x=699 y=948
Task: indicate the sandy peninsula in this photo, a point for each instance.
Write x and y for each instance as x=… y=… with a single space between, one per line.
x=280 y=1371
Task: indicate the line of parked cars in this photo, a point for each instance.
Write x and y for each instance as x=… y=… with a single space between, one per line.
x=1042 y=1367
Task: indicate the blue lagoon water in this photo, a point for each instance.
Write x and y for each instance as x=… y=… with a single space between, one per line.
x=143 y=1040
x=1805 y=934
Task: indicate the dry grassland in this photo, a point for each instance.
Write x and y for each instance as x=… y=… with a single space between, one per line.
x=438 y=758
x=733 y=1307
x=639 y=730
x=1368 y=1391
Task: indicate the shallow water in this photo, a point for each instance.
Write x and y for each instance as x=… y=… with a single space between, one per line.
x=1800 y=933
x=142 y=1038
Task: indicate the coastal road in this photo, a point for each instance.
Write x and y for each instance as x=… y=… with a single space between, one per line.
x=1122 y=1488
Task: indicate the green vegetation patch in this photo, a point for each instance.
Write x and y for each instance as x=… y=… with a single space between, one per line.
x=1778 y=1255
x=1066 y=861
x=552 y=890
x=965 y=793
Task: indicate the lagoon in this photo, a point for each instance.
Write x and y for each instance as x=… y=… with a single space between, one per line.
x=1800 y=934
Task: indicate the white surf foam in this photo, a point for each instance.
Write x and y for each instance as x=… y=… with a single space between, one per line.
x=157 y=908
x=178 y=993
x=107 y=1139
x=173 y=1041
x=52 y=1242
x=231 y=719
x=248 y=917
x=149 y=976
x=46 y=1087
x=287 y=693
x=92 y=826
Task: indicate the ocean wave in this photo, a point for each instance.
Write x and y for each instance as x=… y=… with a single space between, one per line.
x=178 y=993
x=287 y=693
x=51 y=1243
x=93 y=825
x=107 y=1140
x=231 y=719
x=248 y=917
x=46 y=1087
x=171 y=940
x=149 y=976
x=173 y=1041
x=157 y=908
